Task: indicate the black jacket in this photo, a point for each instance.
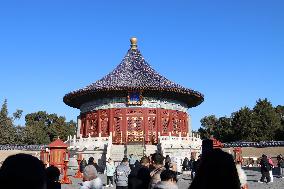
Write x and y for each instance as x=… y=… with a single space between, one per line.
x=196 y=165
x=265 y=165
x=140 y=180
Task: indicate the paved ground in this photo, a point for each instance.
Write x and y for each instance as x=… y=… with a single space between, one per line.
x=253 y=175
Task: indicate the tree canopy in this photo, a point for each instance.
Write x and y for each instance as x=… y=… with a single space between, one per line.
x=40 y=127
x=262 y=123
x=6 y=126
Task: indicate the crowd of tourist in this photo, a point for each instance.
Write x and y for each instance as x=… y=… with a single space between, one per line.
x=266 y=166
x=215 y=169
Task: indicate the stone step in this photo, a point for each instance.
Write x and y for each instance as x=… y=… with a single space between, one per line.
x=150 y=149
x=136 y=150
x=117 y=152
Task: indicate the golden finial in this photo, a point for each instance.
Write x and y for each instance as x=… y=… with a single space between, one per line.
x=133 y=42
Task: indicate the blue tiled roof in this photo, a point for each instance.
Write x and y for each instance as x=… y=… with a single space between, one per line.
x=133 y=73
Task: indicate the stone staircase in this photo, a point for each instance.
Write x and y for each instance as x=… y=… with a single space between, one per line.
x=136 y=150
x=150 y=149
x=118 y=152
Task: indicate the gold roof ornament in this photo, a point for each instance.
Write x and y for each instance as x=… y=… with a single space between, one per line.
x=133 y=41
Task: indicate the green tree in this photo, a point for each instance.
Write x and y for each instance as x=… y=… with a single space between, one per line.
x=7 y=131
x=58 y=127
x=267 y=120
x=36 y=130
x=20 y=135
x=224 y=130
x=17 y=114
x=208 y=126
x=42 y=128
x=243 y=125
x=71 y=128
x=262 y=123
x=280 y=132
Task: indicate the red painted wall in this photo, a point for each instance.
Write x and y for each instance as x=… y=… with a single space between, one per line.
x=134 y=124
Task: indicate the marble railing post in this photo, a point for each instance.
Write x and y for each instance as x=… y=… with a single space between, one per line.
x=74 y=140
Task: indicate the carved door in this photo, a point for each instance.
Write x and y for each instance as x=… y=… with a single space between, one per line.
x=152 y=129
x=135 y=126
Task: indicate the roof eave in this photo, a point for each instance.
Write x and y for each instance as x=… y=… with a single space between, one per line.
x=76 y=99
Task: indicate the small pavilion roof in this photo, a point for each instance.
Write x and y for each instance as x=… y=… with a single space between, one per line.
x=58 y=143
x=133 y=74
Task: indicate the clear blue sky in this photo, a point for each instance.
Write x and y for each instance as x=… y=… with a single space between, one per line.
x=231 y=51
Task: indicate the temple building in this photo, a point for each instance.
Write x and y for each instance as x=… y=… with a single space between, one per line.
x=132 y=108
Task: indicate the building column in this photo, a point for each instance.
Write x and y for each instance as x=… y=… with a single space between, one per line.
x=124 y=126
x=189 y=124
x=145 y=125
x=79 y=124
x=99 y=122
x=86 y=129
x=159 y=122
x=110 y=122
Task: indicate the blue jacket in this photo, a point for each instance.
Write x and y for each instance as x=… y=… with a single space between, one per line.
x=110 y=169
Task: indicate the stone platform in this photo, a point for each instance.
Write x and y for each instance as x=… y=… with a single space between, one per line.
x=102 y=148
x=184 y=181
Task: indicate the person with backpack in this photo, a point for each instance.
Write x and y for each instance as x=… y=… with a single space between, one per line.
x=121 y=174
x=265 y=167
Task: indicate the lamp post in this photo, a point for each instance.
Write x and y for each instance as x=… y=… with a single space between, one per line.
x=79 y=159
x=66 y=179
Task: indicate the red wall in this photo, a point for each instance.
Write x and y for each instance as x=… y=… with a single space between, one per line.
x=134 y=124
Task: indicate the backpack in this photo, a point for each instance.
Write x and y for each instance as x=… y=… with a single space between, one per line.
x=267 y=167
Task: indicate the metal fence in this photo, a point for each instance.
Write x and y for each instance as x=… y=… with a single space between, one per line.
x=261 y=144
x=22 y=147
